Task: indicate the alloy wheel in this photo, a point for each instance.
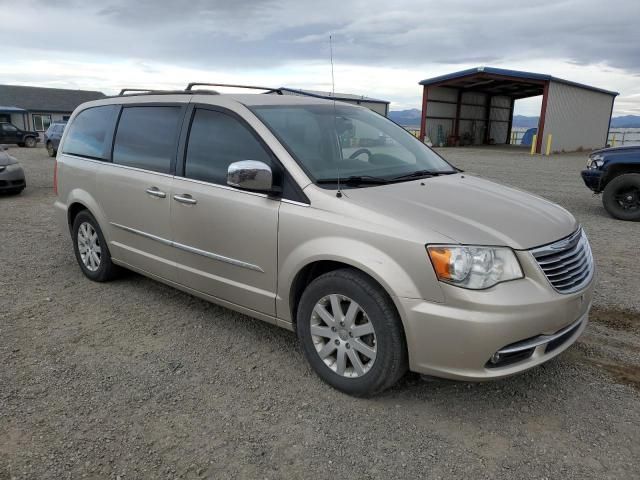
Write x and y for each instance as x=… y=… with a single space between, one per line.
x=628 y=199
x=343 y=336
x=89 y=246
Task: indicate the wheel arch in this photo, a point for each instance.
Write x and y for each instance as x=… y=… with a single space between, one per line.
x=617 y=169
x=315 y=269
x=78 y=200
x=315 y=266
x=72 y=212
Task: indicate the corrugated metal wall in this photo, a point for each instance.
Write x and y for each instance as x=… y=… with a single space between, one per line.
x=499 y=116
x=577 y=118
x=441 y=112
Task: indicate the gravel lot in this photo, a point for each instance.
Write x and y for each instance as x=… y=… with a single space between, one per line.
x=133 y=379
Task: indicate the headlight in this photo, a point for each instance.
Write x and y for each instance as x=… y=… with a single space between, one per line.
x=595 y=161
x=474 y=267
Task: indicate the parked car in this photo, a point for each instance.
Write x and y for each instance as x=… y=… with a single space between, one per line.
x=52 y=137
x=11 y=174
x=382 y=258
x=615 y=172
x=9 y=134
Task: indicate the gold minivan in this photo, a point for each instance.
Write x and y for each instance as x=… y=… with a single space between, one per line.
x=329 y=220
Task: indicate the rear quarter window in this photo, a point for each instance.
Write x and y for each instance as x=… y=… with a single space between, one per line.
x=90 y=133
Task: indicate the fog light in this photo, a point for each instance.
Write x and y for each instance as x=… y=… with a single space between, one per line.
x=495 y=358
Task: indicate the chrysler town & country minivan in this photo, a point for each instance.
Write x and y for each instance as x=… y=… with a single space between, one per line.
x=329 y=220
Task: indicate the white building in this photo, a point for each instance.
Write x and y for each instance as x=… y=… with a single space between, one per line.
x=378 y=106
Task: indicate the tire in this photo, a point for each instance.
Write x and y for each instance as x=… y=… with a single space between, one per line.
x=50 y=150
x=621 y=197
x=357 y=373
x=30 y=142
x=98 y=267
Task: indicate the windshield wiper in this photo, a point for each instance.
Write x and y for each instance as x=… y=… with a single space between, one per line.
x=355 y=180
x=420 y=174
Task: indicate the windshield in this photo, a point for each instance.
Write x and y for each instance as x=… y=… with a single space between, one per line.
x=351 y=143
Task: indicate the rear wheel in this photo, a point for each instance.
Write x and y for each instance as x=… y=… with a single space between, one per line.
x=30 y=142
x=90 y=247
x=621 y=197
x=351 y=334
x=50 y=150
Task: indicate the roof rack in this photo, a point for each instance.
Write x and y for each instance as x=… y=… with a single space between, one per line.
x=137 y=90
x=251 y=87
x=148 y=91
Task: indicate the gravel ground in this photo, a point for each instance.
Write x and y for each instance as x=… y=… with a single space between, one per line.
x=133 y=379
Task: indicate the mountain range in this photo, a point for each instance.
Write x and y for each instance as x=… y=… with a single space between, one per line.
x=411 y=118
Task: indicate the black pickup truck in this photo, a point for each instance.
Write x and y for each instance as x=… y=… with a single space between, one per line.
x=9 y=133
x=615 y=172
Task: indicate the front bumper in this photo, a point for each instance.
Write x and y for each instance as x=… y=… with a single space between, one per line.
x=12 y=178
x=525 y=319
x=591 y=178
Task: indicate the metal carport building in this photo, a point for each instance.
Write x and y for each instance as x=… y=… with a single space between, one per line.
x=477 y=105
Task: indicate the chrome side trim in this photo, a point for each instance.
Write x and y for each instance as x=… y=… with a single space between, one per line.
x=176 y=177
x=539 y=340
x=227 y=187
x=215 y=256
x=224 y=187
x=293 y=202
x=116 y=165
x=187 y=248
x=163 y=241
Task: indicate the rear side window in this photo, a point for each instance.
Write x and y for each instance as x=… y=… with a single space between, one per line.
x=90 y=133
x=217 y=140
x=146 y=137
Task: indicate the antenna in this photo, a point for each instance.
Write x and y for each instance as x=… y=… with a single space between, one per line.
x=335 y=124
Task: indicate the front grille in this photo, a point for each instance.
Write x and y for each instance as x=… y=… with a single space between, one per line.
x=567 y=263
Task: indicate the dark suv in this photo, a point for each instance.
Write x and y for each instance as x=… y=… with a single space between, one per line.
x=615 y=172
x=9 y=133
x=52 y=137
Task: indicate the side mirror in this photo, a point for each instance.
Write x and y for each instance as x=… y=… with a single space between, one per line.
x=250 y=175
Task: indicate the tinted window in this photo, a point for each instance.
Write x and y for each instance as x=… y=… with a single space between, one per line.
x=217 y=140
x=146 y=137
x=342 y=140
x=88 y=134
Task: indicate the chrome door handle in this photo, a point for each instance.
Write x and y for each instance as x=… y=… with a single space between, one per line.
x=154 y=192
x=185 y=198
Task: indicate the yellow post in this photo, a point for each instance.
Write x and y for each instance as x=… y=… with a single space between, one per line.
x=534 y=140
x=549 y=138
x=613 y=140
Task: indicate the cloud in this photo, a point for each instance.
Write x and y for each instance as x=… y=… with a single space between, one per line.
x=400 y=33
x=402 y=41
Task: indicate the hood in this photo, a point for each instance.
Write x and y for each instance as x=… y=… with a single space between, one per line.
x=469 y=210
x=623 y=149
x=6 y=159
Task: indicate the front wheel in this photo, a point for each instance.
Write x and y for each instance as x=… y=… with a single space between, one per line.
x=621 y=197
x=30 y=142
x=90 y=247
x=351 y=333
x=50 y=150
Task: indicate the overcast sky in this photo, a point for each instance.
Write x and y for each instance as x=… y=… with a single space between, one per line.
x=381 y=48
